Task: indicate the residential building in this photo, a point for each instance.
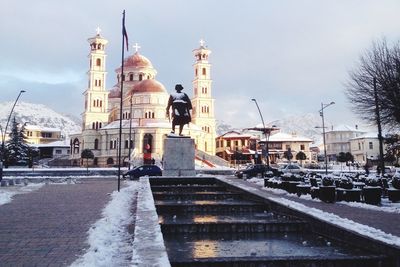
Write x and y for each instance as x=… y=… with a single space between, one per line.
x=337 y=140
x=365 y=146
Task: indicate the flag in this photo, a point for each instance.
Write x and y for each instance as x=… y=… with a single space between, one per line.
x=124 y=33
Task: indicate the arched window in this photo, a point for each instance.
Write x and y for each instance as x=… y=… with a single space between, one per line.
x=205 y=90
x=101 y=103
x=126 y=143
x=93 y=126
x=148 y=77
x=152 y=115
x=100 y=125
x=131 y=77
x=195 y=72
x=110 y=161
x=140 y=77
x=98 y=62
x=111 y=144
x=204 y=71
x=96 y=143
x=97 y=125
x=99 y=82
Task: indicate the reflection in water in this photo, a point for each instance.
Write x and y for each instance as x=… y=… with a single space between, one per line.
x=205 y=249
x=205 y=219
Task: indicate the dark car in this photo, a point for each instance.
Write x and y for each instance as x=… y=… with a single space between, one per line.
x=149 y=170
x=256 y=169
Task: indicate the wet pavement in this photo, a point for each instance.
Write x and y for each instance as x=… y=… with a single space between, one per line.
x=48 y=227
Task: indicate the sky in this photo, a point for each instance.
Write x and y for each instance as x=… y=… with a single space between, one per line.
x=290 y=55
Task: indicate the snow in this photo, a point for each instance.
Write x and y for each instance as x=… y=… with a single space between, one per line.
x=7 y=193
x=109 y=240
x=342 y=222
x=38 y=114
x=334 y=219
x=387 y=206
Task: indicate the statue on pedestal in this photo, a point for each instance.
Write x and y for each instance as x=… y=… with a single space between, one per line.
x=181 y=106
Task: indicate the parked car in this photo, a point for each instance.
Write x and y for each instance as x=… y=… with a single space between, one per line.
x=139 y=171
x=256 y=169
x=293 y=168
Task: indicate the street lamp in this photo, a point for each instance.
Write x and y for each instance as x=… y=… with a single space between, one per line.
x=3 y=134
x=321 y=113
x=264 y=131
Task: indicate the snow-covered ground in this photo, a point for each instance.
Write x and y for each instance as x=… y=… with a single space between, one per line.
x=334 y=219
x=7 y=193
x=110 y=243
x=386 y=205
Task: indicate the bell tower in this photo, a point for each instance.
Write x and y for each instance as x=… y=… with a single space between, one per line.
x=95 y=115
x=203 y=103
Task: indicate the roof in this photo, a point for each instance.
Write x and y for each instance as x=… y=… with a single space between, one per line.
x=343 y=128
x=62 y=143
x=235 y=134
x=137 y=60
x=284 y=137
x=368 y=135
x=41 y=128
x=147 y=86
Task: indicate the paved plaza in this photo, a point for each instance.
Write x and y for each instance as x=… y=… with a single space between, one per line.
x=48 y=227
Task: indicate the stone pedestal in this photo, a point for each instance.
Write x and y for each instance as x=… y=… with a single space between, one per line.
x=178 y=159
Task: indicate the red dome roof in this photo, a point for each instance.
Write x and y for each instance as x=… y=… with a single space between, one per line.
x=137 y=60
x=148 y=86
x=115 y=92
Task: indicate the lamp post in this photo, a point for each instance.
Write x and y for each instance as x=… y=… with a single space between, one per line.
x=321 y=113
x=264 y=131
x=3 y=134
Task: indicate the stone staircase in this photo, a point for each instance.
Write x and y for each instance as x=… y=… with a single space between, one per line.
x=206 y=223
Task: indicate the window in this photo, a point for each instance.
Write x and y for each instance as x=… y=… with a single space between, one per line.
x=110 y=161
x=131 y=77
x=359 y=146
x=302 y=147
x=126 y=143
x=228 y=143
x=140 y=77
x=96 y=143
x=98 y=62
x=204 y=71
x=195 y=72
x=371 y=145
x=58 y=151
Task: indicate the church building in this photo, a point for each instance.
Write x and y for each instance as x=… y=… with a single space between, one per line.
x=144 y=124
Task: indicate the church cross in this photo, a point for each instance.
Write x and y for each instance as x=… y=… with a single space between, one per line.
x=136 y=47
x=98 y=30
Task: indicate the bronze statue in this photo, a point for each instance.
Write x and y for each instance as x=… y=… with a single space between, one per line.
x=181 y=106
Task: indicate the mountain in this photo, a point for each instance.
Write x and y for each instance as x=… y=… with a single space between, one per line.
x=40 y=115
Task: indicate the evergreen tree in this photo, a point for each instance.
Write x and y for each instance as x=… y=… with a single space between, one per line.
x=301 y=156
x=341 y=157
x=16 y=148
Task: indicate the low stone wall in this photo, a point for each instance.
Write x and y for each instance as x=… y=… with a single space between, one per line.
x=59 y=172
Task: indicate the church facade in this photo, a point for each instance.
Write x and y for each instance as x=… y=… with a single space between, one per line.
x=144 y=101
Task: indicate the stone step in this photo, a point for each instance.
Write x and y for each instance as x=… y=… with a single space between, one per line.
x=187 y=188
x=183 y=181
x=196 y=196
x=264 y=249
x=208 y=206
x=233 y=226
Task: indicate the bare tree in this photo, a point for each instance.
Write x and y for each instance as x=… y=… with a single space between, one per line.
x=383 y=63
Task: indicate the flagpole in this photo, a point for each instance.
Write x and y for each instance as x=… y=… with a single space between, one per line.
x=121 y=98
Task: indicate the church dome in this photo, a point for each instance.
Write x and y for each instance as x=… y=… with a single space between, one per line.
x=115 y=92
x=148 y=86
x=137 y=60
